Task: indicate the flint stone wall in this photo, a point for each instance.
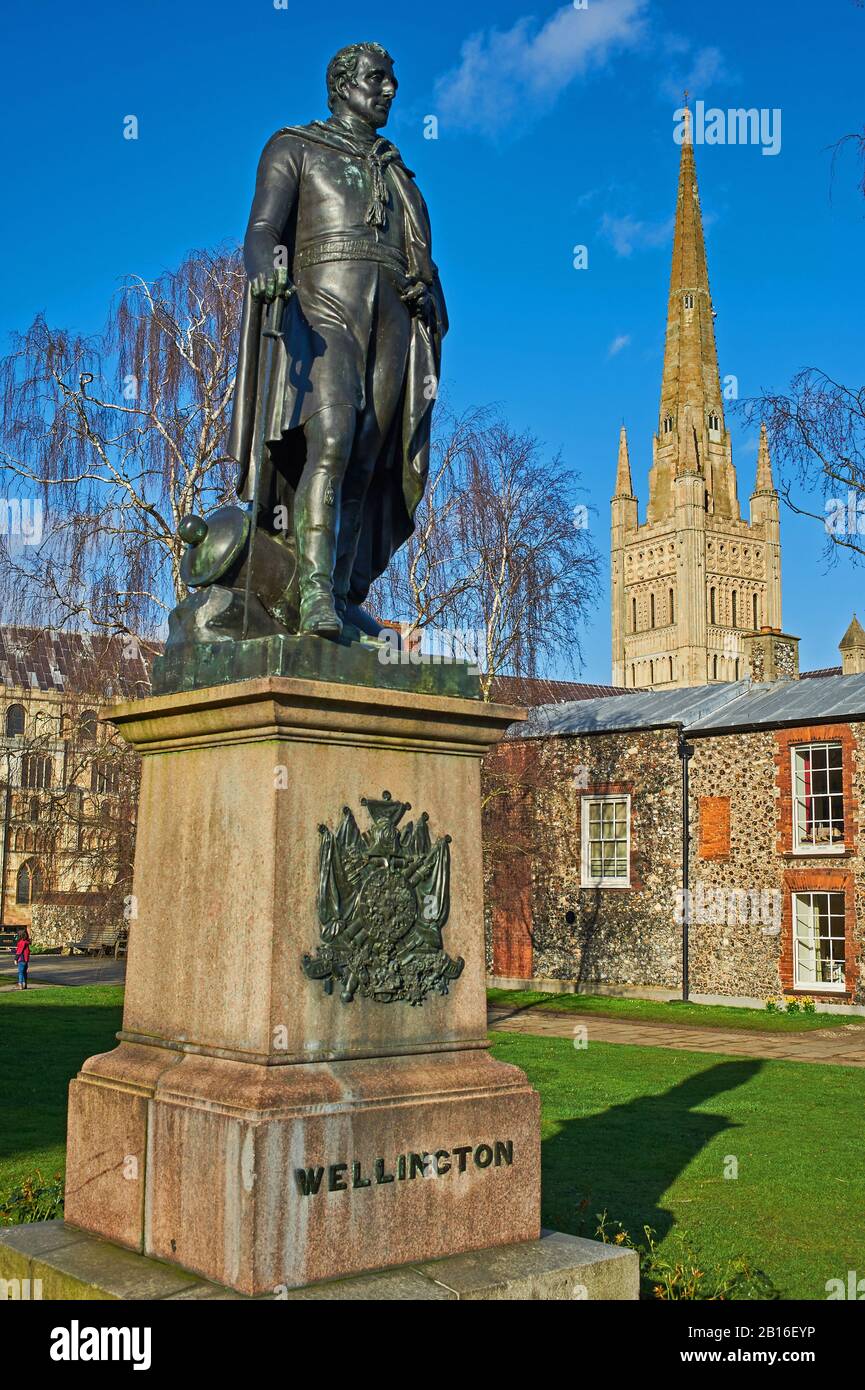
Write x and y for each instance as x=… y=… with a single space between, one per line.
x=621 y=936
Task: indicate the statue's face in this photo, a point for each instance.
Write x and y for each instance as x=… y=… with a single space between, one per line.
x=371 y=94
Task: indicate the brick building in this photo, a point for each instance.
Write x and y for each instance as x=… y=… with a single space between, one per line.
x=585 y=811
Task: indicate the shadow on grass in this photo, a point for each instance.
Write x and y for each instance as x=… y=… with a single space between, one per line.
x=624 y=1159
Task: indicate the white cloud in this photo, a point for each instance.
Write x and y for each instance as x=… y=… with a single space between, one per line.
x=627 y=234
x=618 y=344
x=518 y=73
x=695 y=70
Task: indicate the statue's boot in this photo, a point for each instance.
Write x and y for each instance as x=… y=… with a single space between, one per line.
x=346 y=552
x=316 y=555
x=358 y=625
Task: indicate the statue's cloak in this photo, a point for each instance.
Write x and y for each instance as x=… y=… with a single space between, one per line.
x=401 y=469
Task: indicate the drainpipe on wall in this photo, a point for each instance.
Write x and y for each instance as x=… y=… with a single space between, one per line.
x=686 y=752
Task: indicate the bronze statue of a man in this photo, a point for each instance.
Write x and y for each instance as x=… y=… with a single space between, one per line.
x=341 y=436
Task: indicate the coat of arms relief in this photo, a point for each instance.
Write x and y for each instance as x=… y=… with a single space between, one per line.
x=383 y=902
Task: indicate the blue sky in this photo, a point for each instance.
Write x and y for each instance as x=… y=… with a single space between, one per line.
x=555 y=129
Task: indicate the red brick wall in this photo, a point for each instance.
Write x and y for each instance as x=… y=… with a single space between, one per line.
x=508 y=820
x=714 y=827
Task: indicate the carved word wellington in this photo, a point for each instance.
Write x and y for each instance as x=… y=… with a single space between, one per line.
x=407 y=1167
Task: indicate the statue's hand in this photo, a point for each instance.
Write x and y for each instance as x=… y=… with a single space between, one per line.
x=419 y=301
x=267 y=286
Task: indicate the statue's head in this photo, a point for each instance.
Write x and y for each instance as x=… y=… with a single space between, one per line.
x=360 y=81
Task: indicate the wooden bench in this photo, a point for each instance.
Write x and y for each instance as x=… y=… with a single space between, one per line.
x=96 y=941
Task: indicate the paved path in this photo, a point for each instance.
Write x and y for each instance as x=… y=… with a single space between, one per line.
x=64 y=970
x=844 y=1045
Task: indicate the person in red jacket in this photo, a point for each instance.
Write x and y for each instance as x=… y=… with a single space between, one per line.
x=22 y=958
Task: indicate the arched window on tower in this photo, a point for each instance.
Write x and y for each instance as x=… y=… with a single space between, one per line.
x=668 y=424
x=756 y=613
x=672 y=611
x=735 y=614
x=714 y=424
x=688 y=301
x=633 y=615
x=87 y=726
x=651 y=610
x=714 y=668
x=28 y=884
x=712 y=597
x=670 y=660
x=14 y=721
x=651 y=673
x=633 y=674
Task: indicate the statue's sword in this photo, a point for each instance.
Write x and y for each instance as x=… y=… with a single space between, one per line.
x=272 y=332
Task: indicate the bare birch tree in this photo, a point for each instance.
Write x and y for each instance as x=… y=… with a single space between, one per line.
x=816 y=437
x=501 y=549
x=108 y=441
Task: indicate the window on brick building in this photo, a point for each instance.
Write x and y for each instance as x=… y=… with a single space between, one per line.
x=818 y=798
x=672 y=606
x=818 y=924
x=606 y=841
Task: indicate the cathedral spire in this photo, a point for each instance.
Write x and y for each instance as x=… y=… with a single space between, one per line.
x=624 y=486
x=690 y=356
x=691 y=384
x=765 y=482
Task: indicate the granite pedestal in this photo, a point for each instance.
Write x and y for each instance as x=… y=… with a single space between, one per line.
x=250 y=1126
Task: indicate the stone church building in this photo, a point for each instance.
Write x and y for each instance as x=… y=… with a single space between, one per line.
x=695 y=576
x=699 y=823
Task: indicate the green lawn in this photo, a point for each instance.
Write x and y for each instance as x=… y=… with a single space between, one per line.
x=644 y=1133
x=658 y=1010
x=45 y=1035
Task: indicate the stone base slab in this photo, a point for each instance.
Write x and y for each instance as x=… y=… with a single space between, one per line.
x=71 y=1264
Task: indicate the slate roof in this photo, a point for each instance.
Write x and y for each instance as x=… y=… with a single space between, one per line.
x=638 y=709
x=531 y=690
x=790 y=702
x=74 y=663
x=704 y=709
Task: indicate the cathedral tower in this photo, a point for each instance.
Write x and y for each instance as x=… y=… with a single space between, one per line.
x=694 y=578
